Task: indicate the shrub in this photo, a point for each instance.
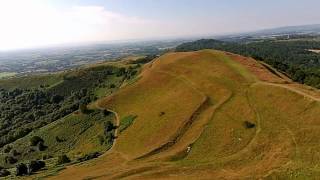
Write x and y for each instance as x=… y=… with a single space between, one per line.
x=106 y=112
x=14 y=152
x=108 y=126
x=112 y=86
x=21 y=169
x=35 y=140
x=41 y=146
x=249 y=125
x=89 y=156
x=83 y=108
x=10 y=160
x=59 y=140
x=63 y=159
x=46 y=156
x=34 y=166
x=101 y=139
x=162 y=114
x=7 y=149
x=31 y=150
x=4 y=172
x=121 y=72
x=109 y=138
x=56 y=98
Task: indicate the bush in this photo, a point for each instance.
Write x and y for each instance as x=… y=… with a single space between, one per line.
x=63 y=159
x=7 y=149
x=106 y=112
x=83 y=108
x=31 y=150
x=162 y=114
x=35 y=140
x=41 y=146
x=35 y=166
x=14 y=152
x=46 y=156
x=112 y=86
x=249 y=125
x=89 y=156
x=59 y=140
x=108 y=126
x=10 y=160
x=101 y=139
x=21 y=169
x=4 y=172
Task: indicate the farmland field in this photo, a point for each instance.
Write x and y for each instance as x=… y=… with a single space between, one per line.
x=6 y=74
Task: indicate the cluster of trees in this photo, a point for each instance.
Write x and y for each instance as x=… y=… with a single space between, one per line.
x=27 y=169
x=24 y=110
x=290 y=57
x=4 y=172
x=145 y=60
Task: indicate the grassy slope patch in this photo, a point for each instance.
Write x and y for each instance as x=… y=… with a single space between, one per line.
x=126 y=121
x=78 y=135
x=7 y=74
x=28 y=82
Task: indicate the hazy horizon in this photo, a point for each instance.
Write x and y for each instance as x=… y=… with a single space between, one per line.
x=42 y=23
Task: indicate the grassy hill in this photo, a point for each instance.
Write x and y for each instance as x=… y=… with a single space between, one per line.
x=60 y=110
x=292 y=57
x=210 y=114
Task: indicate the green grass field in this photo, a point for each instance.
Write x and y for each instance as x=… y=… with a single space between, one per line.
x=77 y=136
x=126 y=122
x=33 y=81
x=7 y=74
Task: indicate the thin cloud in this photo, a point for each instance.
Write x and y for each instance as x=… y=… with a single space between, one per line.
x=38 y=24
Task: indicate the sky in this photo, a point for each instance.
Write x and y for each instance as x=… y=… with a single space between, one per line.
x=38 y=23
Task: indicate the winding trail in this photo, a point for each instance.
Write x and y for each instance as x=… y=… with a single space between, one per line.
x=290 y=89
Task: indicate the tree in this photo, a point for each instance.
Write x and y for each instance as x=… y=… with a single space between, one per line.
x=59 y=140
x=34 y=166
x=108 y=127
x=83 y=108
x=10 y=160
x=56 y=98
x=41 y=146
x=106 y=112
x=63 y=159
x=21 y=169
x=4 y=172
x=14 y=152
x=112 y=86
x=7 y=149
x=249 y=125
x=35 y=140
x=121 y=71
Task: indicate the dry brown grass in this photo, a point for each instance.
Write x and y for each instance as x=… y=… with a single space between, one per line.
x=210 y=141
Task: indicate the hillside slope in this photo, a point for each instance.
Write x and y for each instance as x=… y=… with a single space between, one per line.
x=210 y=114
